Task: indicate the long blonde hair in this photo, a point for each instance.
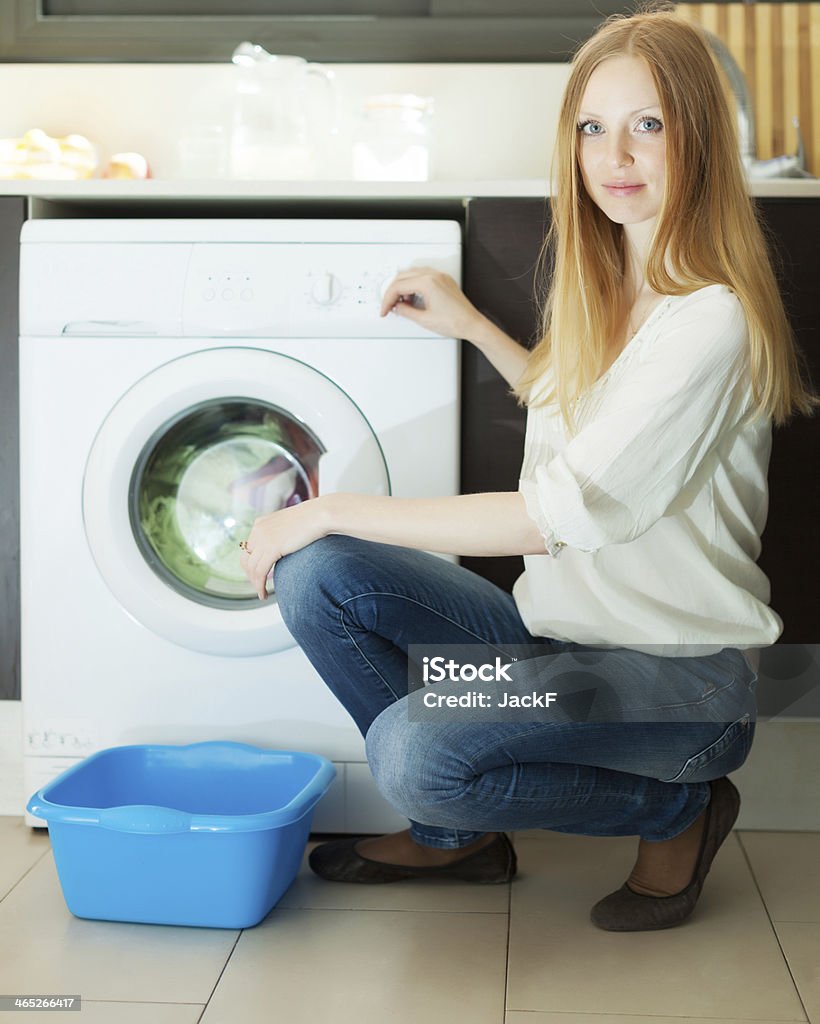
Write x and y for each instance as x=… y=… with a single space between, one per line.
x=707 y=227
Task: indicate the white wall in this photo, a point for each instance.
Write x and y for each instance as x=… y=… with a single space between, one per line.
x=492 y=121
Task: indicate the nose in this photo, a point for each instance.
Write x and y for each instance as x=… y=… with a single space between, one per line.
x=618 y=154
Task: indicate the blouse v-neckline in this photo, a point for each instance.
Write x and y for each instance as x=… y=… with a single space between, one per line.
x=630 y=345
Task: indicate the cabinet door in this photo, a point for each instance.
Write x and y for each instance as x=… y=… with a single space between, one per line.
x=504 y=238
x=791 y=540
x=503 y=241
x=12 y=214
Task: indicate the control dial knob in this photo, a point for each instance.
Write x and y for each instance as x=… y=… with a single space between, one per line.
x=326 y=289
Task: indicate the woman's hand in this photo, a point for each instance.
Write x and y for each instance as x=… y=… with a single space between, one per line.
x=433 y=300
x=278 y=534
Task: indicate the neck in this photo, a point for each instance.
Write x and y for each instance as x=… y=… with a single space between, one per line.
x=637 y=242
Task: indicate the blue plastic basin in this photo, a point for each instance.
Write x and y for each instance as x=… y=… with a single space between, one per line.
x=208 y=834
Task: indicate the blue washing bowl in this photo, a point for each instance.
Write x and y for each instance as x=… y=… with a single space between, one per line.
x=209 y=834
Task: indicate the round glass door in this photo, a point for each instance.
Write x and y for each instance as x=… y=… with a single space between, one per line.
x=202 y=480
x=183 y=464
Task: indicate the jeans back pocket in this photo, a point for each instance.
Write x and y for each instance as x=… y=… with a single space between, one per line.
x=726 y=754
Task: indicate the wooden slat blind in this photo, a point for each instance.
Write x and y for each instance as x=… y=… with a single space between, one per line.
x=777 y=47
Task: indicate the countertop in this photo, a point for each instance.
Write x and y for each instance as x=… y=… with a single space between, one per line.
x=227 y=189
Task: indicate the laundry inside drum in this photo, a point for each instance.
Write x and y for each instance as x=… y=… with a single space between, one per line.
x=204 y=478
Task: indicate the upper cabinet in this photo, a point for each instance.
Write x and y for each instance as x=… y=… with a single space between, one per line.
x=363 y=31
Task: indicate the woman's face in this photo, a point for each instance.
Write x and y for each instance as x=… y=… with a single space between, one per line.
x=621 y=145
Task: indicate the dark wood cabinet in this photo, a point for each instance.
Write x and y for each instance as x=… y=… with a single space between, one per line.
x=503 y=240
x=791 y=540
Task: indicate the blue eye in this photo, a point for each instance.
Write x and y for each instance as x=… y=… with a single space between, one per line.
x=654 y=120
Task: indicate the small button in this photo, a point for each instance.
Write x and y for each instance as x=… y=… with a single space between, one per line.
x=209 y=294
x=227 y=294
x=246 y=295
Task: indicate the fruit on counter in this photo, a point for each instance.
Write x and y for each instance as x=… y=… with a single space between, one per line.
x=127 y=165
x=38 y=155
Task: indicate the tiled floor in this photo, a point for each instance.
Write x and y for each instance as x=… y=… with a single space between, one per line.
x=437 y=953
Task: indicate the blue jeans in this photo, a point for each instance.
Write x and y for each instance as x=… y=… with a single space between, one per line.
x=640 y=766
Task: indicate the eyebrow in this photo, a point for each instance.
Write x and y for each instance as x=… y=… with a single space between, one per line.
x=652 y=106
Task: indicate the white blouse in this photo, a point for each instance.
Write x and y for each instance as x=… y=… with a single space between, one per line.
x=653 y=512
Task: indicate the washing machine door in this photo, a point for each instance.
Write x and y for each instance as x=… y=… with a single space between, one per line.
x=186 y=461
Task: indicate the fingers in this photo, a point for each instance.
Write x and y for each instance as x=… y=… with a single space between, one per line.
x=410 y=288
x=400 y=302
x=399 y=295
x=258 y=569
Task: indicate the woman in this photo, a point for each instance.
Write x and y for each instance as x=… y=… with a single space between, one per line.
x=665 y=356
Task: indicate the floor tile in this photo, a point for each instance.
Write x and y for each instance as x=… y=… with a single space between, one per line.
x=724 y=961
x=436 y=951
x=786 y=867
x=537 y=1017
x=801 y=947
x=93 y=1012
x=310 y=891
x=20 y=849
x=47 y=949
x=365 y=967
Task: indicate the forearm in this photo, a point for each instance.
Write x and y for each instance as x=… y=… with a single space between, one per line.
x=467 y=524
x=505 y=354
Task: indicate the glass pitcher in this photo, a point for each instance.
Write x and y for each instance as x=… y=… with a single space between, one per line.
x=282 y=126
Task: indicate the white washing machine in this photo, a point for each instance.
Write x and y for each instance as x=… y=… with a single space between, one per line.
x=178 y=378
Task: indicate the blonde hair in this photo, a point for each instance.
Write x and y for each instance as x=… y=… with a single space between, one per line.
x=707 y=228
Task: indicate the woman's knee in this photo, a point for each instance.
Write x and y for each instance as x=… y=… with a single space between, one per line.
x=386 y=745
x=294 y=579
x=303 y=579
x=412 y=769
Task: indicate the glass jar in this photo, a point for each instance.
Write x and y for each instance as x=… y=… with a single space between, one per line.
x=393 y=139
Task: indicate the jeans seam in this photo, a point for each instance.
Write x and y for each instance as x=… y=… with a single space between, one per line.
x=435 y=611
x=690 y=703
x=368 y=662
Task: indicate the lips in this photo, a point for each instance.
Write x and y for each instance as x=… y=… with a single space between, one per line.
x=623 y=188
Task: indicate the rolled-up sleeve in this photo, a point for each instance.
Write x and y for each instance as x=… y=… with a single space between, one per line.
x=652 y=432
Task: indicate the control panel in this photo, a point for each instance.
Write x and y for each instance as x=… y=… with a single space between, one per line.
x=230 y=277
x=300 y=290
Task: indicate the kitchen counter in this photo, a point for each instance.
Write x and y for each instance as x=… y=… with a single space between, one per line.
x=228 y=189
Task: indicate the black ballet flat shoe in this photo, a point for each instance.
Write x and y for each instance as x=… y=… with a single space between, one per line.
x=338 y=861
x=628 y=911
